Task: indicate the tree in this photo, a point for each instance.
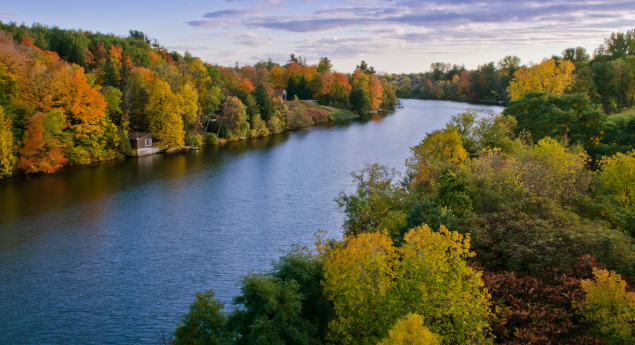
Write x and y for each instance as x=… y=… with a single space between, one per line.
x=439 y=150
x=375 y=93
x=233 y=114
x=269 y=313
x=376 y=203
x=618 y=172
x=263 y=101
x=410 y=330
x=7 y=150
x=324 y=65
x=609 y=307
x=360 y=101
x=41 y=151
x=373 y=284
x=359 y=277
x=191 y=118
x=550 y=76
x=109 y=73
x=164 y=109
x=364 y=67
x=571 y=116
x=204 y=324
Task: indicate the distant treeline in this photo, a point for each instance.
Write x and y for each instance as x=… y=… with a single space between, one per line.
x=607 y=78
x=72 y=96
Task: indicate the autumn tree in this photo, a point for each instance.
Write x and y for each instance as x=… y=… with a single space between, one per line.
x=550 y=76
x=373 y=284
x=610 y=307
x=7 y=150
x=618 y=172
x=190 y=110
x=440 y=149
x=410 y=330
x=233 y=114
x=42 y=151
x=164 y=109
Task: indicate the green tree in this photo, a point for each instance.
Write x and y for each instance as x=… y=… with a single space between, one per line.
x=324 y=65
x=269 y=312
x=263 y=100
x=544 y=115
x=360 y=101
x=204 y=324
x=376 y=204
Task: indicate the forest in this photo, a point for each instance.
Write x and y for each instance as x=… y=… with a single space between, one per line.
x=71 y=97
x=511 y=228
x=606 y=77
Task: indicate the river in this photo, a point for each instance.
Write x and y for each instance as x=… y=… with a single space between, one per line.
x=113 y=253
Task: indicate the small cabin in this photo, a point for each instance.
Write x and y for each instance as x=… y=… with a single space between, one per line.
x=142 y=142
x=280 y=93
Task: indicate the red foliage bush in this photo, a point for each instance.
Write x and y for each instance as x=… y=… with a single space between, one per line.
x=318 y=115
x=540 y=309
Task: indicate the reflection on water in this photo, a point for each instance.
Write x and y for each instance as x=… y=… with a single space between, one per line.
x=113 y=253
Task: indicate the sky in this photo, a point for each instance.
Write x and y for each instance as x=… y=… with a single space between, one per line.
x=391 y=35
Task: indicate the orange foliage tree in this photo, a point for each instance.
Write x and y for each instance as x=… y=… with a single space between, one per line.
x=40 y=152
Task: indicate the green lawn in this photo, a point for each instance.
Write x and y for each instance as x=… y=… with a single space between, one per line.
x=623 y=116
x=339 y=113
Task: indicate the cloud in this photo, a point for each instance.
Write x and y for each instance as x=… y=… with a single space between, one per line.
x=253 y=40
x=354 y=28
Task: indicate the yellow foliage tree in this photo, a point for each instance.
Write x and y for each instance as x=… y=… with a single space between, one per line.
x=410 y=330
x=438 y=150
x=7 y=151
x=191 y=118
x=164 y=109
x=618 y=172
x=372 y=284
x=359 y=276
x=551 y=76
x=609 y=307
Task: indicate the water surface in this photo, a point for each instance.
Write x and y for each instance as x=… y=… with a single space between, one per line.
x=113 y=254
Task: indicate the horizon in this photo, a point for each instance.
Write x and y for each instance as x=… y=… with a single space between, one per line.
x=393 y=36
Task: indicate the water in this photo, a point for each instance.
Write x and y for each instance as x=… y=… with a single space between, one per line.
x=113 y=254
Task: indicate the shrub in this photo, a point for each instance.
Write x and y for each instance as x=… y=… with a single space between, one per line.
x=194 y=140
x=211 y=138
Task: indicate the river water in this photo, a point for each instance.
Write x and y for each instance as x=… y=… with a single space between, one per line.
x=113 y=254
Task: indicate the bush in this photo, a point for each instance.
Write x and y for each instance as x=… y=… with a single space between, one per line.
x=194 y=140
x=540 y=310
x=298 y=118
x=211 y=138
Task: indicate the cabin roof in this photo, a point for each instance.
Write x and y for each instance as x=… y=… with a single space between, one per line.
x=139 y=135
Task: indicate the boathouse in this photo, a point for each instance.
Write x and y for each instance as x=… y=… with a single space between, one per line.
x=142 y=143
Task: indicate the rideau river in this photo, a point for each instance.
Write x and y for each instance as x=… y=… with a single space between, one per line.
x=114 y=253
